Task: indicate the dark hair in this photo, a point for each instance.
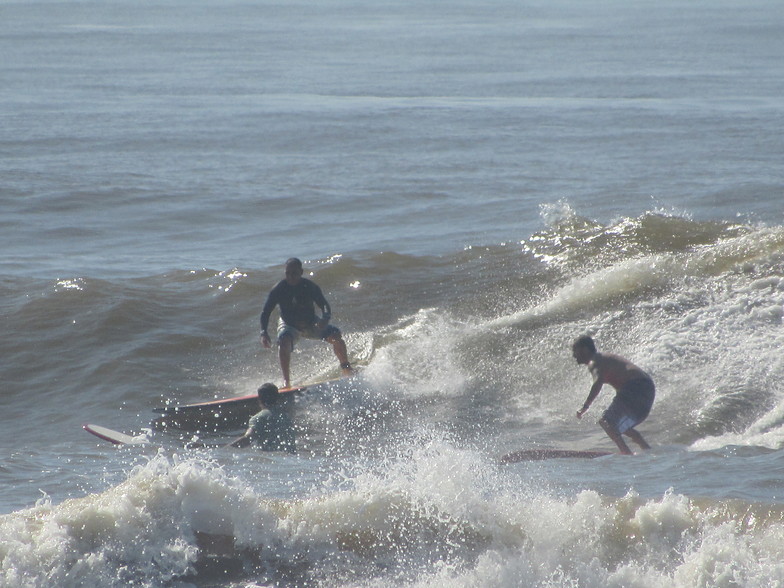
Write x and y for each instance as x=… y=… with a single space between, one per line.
x=268 y=394
x=585 y=341
x=294 y=261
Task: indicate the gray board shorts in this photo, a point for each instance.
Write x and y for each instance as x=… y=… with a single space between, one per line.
x=631 y=404
x=311 y=332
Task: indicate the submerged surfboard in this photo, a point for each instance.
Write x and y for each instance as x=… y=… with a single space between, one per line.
x=542 y=454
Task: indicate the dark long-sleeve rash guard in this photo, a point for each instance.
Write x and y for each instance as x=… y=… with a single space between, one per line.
x=297 y=304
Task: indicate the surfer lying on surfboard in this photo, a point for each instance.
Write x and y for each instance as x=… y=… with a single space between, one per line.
x=269 y=429
x=634 y=392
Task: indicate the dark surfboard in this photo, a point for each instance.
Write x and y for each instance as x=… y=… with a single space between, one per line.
x=542 y=454
x=227 y=413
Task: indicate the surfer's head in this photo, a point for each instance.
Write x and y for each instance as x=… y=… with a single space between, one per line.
x=268 y=394
x=293 y=270
x=583 y=349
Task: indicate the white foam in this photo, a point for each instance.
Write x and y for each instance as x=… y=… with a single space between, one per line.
x=767 y=431
x=434 y=514
x=418 y=356
x=595 y=290
x=140 y=532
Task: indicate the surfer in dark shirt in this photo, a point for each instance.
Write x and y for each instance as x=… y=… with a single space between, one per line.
x=297 y=298
x=634 y=395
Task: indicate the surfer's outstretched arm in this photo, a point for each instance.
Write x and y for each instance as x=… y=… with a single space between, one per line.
x=242 y=441
x=597 y=386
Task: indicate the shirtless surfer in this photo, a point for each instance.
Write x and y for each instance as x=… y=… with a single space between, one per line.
x=634 y=395
x=297 y=298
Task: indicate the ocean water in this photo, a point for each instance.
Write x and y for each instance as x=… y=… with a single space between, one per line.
x=473 y=185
